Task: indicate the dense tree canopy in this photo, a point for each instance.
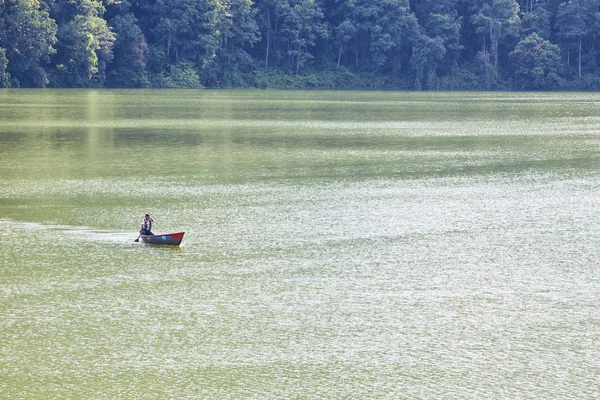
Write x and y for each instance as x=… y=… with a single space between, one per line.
x=402 y=44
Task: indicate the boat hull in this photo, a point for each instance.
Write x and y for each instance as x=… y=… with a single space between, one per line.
x=170 y=239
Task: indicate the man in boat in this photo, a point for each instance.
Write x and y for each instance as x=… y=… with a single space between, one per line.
x=147 y=225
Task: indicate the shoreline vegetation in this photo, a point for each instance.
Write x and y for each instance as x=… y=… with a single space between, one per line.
x=301 y=44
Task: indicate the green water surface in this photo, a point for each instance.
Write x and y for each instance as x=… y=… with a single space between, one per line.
x=338 y=245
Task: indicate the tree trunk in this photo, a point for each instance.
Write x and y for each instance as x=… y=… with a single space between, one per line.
x=418 y=75
x=340 y=55
x=298 y=60
x=494 y=51
x=168 y=52
x=579 y=58
x=268 y=39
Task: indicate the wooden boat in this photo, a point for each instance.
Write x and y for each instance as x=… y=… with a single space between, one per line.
x=172 y=239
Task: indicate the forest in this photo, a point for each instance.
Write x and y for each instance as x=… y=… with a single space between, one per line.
x=301 y=44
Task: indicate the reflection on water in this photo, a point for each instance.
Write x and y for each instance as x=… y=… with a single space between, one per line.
x=338 y=245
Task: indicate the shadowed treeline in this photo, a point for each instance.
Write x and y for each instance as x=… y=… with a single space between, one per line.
x=337 y=44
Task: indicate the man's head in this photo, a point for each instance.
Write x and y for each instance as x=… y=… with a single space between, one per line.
x=147 y=216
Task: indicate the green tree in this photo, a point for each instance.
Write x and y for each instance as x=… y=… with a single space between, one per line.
x=4 y=74
x=130 y=53
x=365 y=16
x=447 y=27
x=537 y=21
x=344 y=33
x=27 y=34
x=181 y=75
x=303 y=25
x=576 y=20
x=210 y=35
x=85 y=50
x=394 y=35
x=385 y=33
x=85 y=44
x=496 y=20
x=238 y=33
x=425 y=53
x=535 y=62
x=269 y=17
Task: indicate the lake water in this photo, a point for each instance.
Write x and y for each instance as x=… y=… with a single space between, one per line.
x=376 y=245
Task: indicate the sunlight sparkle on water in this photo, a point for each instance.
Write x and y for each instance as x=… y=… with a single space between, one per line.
x=338 y=245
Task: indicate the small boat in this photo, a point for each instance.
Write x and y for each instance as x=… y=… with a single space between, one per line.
x=172 y=239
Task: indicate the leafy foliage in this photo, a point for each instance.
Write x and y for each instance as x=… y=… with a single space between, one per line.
x=84 y=48
x=536 y=62
x=178 y=76
x=340 y=44
x=130 y=53
x=27 y=34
